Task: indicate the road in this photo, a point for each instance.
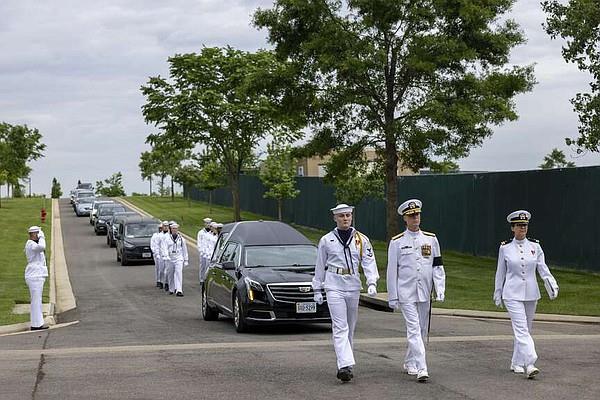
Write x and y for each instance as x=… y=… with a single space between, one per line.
x=133 y=341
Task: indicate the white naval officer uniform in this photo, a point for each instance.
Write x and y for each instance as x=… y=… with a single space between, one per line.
x=337 y=271
x=176 y=250
x=162 y=271
x=154 y=246
x=201 y=242
x=516 y=286
x=35 y=275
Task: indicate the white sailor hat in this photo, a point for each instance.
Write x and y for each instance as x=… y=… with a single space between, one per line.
x=171 y=223
x=207 y=220
x=519 y=216
x=219 y=225
x=165 y=223
x=175 y=225
x=34 y=228
x=213 y=224
x=342 y=208
x=411 y=206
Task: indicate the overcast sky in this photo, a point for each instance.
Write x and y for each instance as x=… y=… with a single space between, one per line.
x=73 y=70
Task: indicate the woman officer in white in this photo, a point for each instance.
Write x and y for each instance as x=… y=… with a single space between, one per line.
x=340 y=254
x=516 y=285
x=35 y=274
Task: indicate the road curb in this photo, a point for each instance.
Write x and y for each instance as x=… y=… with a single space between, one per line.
x=380 y=303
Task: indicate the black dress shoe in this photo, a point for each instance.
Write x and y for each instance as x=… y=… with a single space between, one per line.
x=179 y=294
x=159 y=285
x=39 y=328
x=166 y=287
x=345 y=374
x=170 y=293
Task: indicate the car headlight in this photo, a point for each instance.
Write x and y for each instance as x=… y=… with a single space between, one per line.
x=128 y=245
x=251 y=286
x=101 y=221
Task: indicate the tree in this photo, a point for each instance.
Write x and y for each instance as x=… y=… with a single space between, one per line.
x=163 y=160
x=112 y=186
x=212 y=177
x=443 y=167
x=189 y=176
x=413 y=79
x=56 y=191
x=226 y=99
x=278 y=173
x=3 y=178
x=556 y=159
x=19 y=145
x=578 y=22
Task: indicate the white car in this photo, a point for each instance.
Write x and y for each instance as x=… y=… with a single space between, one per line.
x=84 y=206
x=95 y=209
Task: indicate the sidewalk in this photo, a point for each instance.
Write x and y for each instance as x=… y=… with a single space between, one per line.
x=61 y=297
x=380 y=303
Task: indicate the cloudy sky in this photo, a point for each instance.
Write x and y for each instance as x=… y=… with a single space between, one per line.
x=73 y=69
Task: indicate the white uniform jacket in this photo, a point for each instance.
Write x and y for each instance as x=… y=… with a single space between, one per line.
x=36 y=259
x=155 y=243
x=201 y=240
x=515 y=276
x=210 y=240
x=414 y=264
x=332 y=254
x=175 y=250
x=161 y=249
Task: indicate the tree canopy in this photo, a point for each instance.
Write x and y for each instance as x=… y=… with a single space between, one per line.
x=578 y=22
x=415 y=79
x=556 y=159
x=111 y=186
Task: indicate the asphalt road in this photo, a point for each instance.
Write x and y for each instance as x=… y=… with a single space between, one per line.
x=134 y=341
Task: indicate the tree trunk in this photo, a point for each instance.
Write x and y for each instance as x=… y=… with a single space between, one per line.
x=279 y=206
x=210 y=201
x=162 y=185
x=172 y=190
x=150 y=179
x=235 y=197
x=391 y=186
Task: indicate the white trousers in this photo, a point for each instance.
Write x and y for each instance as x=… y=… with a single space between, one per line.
x=169 y=274
x=416 y=317
x=36 y=289
x=343 y=307
x=157 y=268
x=521 y=316
x=203 y=268
x=161 y=270
x=177 y=276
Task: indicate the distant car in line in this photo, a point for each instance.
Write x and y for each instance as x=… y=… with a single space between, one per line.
x=94 y=210
x=80 y=194
x=261 y=273
x=86 y=186
x=105 y=211
x=133 y=239
x=84 y=206
x=112 y=226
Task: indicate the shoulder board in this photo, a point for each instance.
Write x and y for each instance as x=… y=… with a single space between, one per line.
x=533 y=240
x=398 y=236
x=505 y=242
x=428 y=233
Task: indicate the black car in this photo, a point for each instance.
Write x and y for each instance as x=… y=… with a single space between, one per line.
x=112 y=226
x=133 y=239
x=105 y=211
x=261 y=273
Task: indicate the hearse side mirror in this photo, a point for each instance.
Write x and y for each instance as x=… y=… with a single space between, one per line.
x=228 y=265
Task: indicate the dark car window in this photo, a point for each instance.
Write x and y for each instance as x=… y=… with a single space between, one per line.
x=219 y=246
x=85 y=194
x=86 y=200
x=230 y=252
x=273 y=256
x=104 y=211
x=140 y=230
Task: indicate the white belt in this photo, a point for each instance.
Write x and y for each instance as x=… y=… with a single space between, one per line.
x=338 y=270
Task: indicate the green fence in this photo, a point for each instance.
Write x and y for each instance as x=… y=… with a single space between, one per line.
x=466 y=211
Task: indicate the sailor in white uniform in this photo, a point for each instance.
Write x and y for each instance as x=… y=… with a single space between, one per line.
x=35 y=274
x=516 y=285
x=340 y=255
x=414 y=268
x=162 y=275
x=155 y=247
x=201 y=239
x=176 y=249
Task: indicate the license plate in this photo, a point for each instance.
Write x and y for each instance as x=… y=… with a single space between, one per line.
x=146 y=255
x=306 y=307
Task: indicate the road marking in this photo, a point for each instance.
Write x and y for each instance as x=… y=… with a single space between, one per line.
x=275 y=345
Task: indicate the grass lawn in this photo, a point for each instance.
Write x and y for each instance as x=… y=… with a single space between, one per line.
x=16 y=215
x=469 y=279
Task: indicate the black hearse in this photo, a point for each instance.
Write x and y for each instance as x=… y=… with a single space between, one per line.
x=133 y=238
x=261 y=273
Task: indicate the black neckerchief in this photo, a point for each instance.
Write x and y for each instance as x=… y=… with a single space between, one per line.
x=207 y=229
x=347 y=235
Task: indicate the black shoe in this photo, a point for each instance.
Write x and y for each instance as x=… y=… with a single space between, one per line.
x=166 y=287
x=159 y=285
x=39 y=328
x=170 y=293
x=179 y=294
x=345 y=374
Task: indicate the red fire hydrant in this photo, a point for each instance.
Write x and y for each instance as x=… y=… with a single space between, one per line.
x=43 y=215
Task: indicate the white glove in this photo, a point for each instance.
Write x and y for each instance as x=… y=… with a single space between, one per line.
x=498 y=300
x=41 y=234
x=394 y=304
x=555 y=288
x=318 y=297
x=440 y=297
x=185 y=264
x=372 y=290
